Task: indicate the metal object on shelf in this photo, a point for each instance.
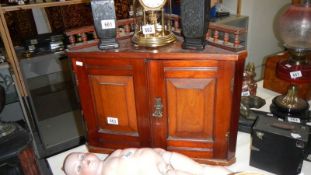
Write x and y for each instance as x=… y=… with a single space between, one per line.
x=6 y=129
x=44 y=43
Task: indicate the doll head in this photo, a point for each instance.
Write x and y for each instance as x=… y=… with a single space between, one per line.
x=82 y=164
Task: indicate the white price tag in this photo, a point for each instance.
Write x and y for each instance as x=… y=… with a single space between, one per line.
x=246 y=93
x=292 y=119
x=79 y=63
x=148 y=29
x=295 y=135
x=108 y=24
x=295 y=74
x=112 y=121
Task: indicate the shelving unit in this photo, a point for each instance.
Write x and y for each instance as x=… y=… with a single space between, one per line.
x=5 y=35
x=42 y=5
x=61 y=130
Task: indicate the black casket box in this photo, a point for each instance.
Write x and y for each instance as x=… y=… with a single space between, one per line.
x=278 y=146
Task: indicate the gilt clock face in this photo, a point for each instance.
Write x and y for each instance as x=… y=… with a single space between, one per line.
x=152 y=4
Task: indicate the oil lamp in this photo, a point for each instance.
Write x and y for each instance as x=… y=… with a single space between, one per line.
x=294 y=30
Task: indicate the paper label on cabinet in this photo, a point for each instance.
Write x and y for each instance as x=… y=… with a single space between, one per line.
x=295 y=74
x=108 y=24
x=112 y=121
x=148 y=29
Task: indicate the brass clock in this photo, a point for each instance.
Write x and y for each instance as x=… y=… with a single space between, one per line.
x=153 y=27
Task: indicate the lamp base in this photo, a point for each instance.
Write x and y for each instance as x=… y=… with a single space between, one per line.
x=290 y=105
x=295 y=73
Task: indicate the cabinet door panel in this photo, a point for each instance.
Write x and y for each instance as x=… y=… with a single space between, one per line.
x=190 y=97
x=196 y=99
x=114 y=102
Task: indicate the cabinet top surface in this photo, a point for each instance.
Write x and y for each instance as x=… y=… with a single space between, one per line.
x=171 y=51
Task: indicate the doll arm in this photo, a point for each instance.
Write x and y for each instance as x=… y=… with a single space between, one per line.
x=184 y=164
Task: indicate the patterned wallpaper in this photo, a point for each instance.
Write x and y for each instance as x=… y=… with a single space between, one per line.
x=22 y=26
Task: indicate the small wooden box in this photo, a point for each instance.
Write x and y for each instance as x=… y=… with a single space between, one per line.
x=272 y=82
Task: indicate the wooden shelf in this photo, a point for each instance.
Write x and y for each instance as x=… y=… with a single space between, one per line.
x=42 y=5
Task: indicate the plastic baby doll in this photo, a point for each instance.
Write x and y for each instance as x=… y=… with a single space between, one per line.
x=138 y=161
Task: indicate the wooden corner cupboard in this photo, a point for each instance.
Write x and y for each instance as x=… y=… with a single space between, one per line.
x=180 y=100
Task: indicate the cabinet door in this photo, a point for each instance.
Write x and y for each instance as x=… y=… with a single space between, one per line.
x=196 y=98
x=114 y=102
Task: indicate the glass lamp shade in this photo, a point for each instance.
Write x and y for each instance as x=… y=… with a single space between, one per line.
x=294 y=26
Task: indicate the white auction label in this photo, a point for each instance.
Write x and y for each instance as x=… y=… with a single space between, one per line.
x=246 y=93
x=295 y=135
x=79 y=63
x=295 y=74
x=292 y=119
x=108 y=24
x=148 y=29
x=112 y=121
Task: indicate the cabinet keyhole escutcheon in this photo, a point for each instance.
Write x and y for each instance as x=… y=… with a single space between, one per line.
x=158 y=108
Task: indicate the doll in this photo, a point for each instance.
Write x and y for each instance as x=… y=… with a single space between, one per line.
x=138 y=161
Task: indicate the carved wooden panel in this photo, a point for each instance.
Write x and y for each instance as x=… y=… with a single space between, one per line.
x=114 y=103
x=190 y=107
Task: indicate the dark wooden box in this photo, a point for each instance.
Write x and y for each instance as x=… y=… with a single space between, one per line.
x=278 y=146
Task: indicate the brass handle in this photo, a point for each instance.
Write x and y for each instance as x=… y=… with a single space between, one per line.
x=158 y=108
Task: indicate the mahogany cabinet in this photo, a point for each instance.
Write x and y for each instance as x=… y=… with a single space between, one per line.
x=180 y=100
